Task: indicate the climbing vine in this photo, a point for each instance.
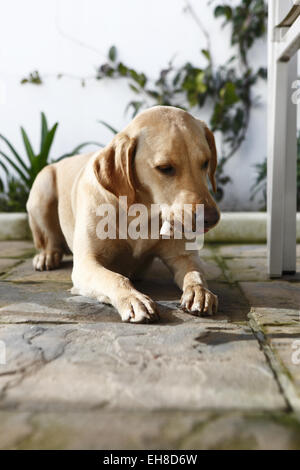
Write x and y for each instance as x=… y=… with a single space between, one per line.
x=226 y=88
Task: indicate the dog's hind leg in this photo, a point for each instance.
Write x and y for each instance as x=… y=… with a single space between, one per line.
x=44 y=222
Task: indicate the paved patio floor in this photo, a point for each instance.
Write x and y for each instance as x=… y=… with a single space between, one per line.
x=76 y=377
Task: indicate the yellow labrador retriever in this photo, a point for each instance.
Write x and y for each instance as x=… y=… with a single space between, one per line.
x=163 y=156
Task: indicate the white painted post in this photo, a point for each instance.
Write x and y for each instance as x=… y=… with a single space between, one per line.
x=277 y=93
x=290 y=203
x=281 y=229
x=270 y=129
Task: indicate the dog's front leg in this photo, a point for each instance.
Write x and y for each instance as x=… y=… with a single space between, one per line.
x=92 y=279
x=196 y=298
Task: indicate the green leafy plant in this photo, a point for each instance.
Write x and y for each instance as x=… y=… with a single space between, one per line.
x=15 y=197
x=20 y=173
x=33 y=77
x=27 y=171
x=227 y=88
x=260 y=185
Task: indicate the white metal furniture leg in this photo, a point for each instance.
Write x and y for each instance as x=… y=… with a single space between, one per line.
x=279 y=177
x=276 y=169
x=270 y=128
x=290 y=202
x=277 y=87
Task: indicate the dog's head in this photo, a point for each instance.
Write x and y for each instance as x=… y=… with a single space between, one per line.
x=165 y=156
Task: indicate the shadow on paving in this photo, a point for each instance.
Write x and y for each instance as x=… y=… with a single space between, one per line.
x=222 y=337
x=50 y=289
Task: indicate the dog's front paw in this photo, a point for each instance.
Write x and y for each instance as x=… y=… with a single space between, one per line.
x=198 y=300
x=137 y=308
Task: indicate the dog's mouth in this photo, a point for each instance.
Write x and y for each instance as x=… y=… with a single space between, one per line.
x=194 y=224
x=172 y=228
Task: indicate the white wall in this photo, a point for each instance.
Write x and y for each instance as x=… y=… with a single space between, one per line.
x=34 y=35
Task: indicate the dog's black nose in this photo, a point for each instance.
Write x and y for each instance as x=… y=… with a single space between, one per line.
x=211 y=217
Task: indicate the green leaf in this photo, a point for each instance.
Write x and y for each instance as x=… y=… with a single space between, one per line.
x=15 y=197
x=200 y=85
x=112 y=53
x=219 y=11
x=122 y=69
x=133 y=88
x=177 y=78
x=24 y=178
x=44 y=129
x=238 y=121
x=33 y=78
x=28 y=147
x=4 y=167
x=112 y=129
x=228 y=94
x=192 y=97
x=206 y=53
x=224 y=10
x=44 y=155
x=154 y=94
x=140 y=78
x=19 y=159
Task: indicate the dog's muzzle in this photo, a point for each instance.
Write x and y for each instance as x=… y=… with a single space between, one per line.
x=211 y=217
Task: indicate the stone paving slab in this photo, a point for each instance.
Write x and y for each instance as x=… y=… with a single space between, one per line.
x=189 y=365
x=182 y=430
x=16 y=249
x=275 y=315
x=208 y=251
x=25 y=273
x=278 y=331
x=249 y=269
x=281 y=345
x=225 y=381
x=242 y=251
x=277 y=319
x=272 y=294
x=6 y=264
x=53 y=302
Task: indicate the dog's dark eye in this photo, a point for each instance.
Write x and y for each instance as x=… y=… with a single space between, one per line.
x=166 y=169
x=205 y=165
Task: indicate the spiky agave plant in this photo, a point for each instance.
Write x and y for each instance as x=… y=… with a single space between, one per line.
x=28 y=170
x=23 y=172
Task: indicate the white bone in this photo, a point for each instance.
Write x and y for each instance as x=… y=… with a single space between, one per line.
x=166 y=228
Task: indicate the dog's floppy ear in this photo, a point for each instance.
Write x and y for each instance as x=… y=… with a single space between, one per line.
x=213 y=159
x=114 y=166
